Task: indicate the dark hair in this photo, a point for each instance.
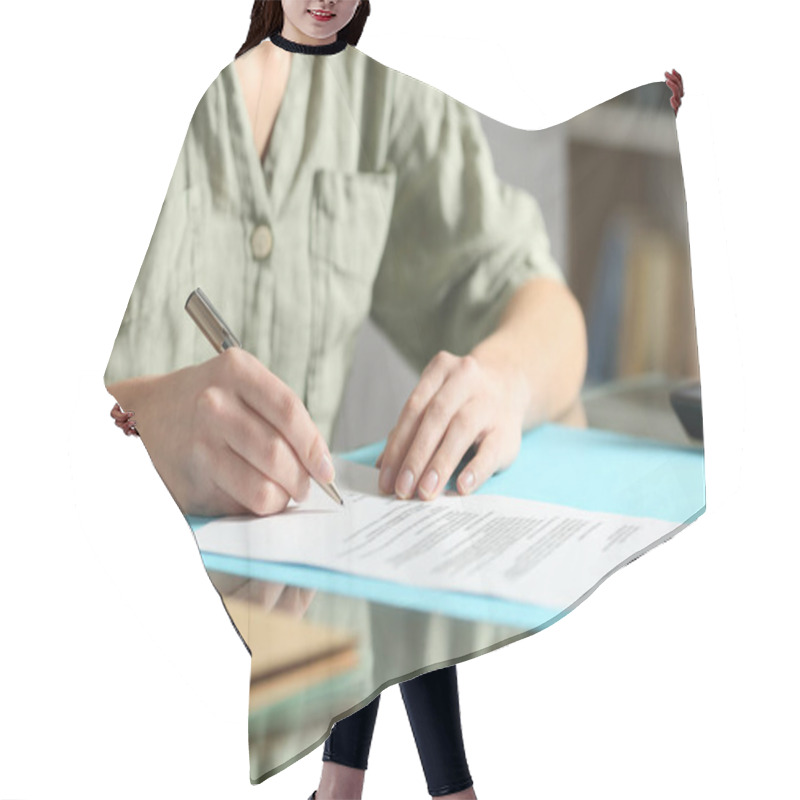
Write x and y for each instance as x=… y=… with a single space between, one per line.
x=266 y=19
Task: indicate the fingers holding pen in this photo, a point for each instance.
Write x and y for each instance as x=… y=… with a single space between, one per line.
x=248 y=487
x=257 y=442
x=252 y=444
x=278 y=405
x=250 y=436
x=227 y=436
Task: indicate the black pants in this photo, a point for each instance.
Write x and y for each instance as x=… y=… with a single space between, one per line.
x=432 y=706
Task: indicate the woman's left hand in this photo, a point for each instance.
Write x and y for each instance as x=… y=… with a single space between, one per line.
x=458 y=402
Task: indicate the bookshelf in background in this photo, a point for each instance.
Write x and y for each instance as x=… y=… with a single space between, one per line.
x=628 y=254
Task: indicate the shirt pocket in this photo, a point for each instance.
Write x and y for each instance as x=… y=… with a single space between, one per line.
x=350 y=218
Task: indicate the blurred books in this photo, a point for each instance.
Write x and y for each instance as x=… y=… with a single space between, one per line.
x=289 y=654
x=641 y=312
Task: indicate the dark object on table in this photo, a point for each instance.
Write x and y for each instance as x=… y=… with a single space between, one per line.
x=686 y=403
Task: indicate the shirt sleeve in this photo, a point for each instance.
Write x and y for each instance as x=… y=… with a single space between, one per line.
x=460 y=241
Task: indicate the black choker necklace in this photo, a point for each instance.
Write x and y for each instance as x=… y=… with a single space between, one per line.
x=309 y=49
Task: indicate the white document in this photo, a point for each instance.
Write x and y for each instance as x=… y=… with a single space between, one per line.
x=523 y=550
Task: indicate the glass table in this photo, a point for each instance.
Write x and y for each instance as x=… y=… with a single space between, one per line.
x=322 y=654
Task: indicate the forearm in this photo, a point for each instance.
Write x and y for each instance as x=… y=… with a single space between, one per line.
x=541 y=344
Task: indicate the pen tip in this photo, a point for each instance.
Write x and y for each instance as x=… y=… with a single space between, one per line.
x=332 y=492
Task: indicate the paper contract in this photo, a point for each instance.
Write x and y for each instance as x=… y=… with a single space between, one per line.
x=516 y=549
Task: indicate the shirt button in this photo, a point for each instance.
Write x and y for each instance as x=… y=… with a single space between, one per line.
x=261 y=242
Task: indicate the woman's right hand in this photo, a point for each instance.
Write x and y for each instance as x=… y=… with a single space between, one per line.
x=227 y=436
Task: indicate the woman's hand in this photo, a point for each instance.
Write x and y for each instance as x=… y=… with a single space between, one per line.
x=675 y=83
x=227 y=436
x=458 y=402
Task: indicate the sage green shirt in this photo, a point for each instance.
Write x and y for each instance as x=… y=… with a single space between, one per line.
x=377 y=197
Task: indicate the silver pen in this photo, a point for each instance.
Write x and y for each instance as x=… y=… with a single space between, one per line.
x=199 y=308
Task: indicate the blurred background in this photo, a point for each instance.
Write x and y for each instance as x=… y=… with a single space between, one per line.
x=610 y=186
